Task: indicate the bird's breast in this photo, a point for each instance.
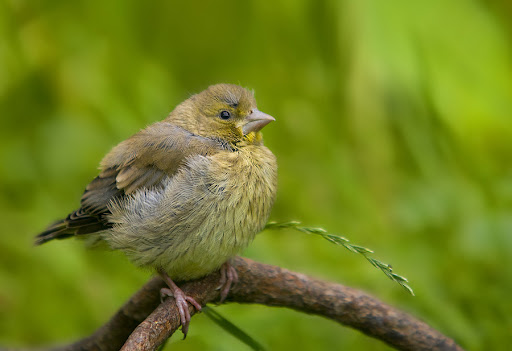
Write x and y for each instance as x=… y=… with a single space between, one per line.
x=208 y=212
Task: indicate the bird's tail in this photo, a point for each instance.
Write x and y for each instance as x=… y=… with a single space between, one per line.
x=58 y=230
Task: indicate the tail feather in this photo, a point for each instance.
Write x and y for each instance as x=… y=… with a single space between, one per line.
x=58 y=230
x=77 y=223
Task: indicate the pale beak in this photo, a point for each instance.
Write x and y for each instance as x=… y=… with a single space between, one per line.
x=255 y=121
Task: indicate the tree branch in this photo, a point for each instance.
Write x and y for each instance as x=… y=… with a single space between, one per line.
x=144 y=323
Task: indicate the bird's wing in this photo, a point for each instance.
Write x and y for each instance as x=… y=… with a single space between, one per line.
x=141 y=161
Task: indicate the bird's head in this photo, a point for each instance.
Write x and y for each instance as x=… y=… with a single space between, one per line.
x=223 y=111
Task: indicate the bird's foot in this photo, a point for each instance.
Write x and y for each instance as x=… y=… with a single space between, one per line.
x=181 y=301
x=228 y=278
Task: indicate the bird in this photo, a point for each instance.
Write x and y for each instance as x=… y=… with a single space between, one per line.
x=184 y=195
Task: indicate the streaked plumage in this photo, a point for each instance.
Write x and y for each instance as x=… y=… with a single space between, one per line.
x=186 y=194
x=210 y=210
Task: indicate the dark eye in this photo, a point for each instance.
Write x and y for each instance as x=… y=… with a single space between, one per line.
x=225 y=115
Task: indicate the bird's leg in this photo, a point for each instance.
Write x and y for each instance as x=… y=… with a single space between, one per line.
x=228 y=277
x=181 y=301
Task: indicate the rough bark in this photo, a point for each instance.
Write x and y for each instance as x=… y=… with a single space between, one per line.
x=143 y=323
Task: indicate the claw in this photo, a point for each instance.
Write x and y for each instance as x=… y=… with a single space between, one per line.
x=228 y=278
x=181 y=301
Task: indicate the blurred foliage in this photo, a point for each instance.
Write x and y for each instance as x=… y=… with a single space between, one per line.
x=393 y=129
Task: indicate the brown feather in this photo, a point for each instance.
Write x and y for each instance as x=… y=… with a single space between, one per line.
x=141 y=161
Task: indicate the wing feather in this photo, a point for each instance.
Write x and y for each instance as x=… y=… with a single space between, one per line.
x=141 y=161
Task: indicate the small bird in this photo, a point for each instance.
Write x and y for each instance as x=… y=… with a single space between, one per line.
x=183 y=195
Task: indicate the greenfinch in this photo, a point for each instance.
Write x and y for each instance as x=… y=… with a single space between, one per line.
x=183 y=195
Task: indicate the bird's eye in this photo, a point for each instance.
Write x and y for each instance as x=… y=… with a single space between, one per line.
x=225 y=115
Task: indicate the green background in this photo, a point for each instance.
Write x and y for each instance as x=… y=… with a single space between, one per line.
x=393 y=129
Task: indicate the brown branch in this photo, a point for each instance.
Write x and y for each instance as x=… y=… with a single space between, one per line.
x=113 y=334
x=271 y=286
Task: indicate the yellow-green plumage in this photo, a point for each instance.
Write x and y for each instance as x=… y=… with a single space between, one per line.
x=185 y=194
x=208 y=212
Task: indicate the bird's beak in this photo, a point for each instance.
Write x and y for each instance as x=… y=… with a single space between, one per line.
x=255 y=121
